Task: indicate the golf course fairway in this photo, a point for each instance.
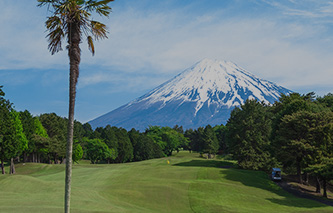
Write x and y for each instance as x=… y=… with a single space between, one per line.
x=183 y=182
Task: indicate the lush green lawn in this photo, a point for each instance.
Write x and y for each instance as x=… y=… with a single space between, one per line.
x=187 y=184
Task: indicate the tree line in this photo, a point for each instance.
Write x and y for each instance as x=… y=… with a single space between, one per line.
x=42 y=139
x=295 y=133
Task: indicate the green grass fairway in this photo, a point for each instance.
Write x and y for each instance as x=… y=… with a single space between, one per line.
x=187 y=184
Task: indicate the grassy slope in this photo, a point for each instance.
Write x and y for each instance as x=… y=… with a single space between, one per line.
x=187 y=184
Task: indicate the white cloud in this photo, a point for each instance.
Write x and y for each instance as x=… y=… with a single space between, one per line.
x=22 y=43
x=312 y=9
x=293 y=53
x=327 y=9
x=271 y=50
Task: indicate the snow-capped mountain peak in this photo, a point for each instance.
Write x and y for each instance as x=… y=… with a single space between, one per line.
x=202 y=94
x=214 y=82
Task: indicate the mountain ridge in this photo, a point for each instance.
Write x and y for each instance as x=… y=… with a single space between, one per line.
x=203 y=94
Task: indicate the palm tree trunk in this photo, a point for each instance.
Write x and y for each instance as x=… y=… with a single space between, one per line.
x=74 y=54
x=69 y=145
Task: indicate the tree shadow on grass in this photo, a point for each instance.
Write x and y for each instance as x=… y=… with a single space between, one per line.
x=304 y=203
x=207 y=163
x=256 y=179
x=261 y=180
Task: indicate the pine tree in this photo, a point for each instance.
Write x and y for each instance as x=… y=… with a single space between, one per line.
x=247 y=136
x=210 y=142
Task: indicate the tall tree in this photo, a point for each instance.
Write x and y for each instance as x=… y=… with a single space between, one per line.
x=28 y=124
x=321 y=160
x=211 y=144
x=294 y=139
x=323 y=170
x=124 y=146
x=56 y=129
x=220 y=131
x=88 y=131
x=71 y=19
x=12 y=138
x=196 y=139
x=189 y=134
x=289 y=104
x=20 y=140
x=248 y=131
x=40 y=140
x=7 y=130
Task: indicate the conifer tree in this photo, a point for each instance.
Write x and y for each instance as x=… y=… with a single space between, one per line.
x=248 y=131
x=7 y=130
x=211 y=144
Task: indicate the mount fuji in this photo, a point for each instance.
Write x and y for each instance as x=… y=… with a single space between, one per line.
x=203 y=94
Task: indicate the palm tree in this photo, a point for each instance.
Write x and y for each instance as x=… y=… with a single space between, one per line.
x=70 y=20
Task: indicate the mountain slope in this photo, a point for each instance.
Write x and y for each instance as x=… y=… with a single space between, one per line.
x=203 y=94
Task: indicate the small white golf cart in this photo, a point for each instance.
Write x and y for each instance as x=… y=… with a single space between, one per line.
x=276 y=174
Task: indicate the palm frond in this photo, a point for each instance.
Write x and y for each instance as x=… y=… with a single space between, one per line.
x=104 y=11
x=54 y=25
x=68 y=12
x=101 y=7
x=53 y=22
x=85 y=14
x=44 y=2
x=91 y=45
x=55 y=39
x=98 y=30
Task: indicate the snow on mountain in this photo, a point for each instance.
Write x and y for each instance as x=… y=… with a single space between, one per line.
x=203 y=94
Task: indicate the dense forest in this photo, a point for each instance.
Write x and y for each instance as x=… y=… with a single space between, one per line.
x=295 y=133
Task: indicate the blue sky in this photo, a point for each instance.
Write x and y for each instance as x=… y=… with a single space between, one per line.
x=289 y=42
